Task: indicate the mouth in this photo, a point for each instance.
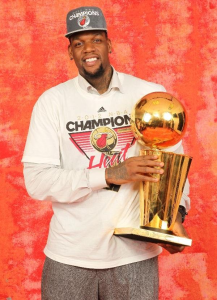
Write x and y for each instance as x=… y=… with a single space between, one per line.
x=90 y=61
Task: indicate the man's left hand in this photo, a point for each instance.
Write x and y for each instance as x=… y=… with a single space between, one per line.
x=178 y=230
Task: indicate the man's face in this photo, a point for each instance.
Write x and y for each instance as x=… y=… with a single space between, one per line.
x=90 y=51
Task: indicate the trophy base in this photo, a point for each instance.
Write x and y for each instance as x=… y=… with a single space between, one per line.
x=152 y=236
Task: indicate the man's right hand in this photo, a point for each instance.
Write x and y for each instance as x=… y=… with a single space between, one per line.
x=139 y=168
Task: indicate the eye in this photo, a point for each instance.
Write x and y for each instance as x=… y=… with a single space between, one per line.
x=77 y=44
x=97 y=40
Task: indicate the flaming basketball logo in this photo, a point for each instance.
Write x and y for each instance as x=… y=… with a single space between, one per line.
x=83 y=21
x=103 y=139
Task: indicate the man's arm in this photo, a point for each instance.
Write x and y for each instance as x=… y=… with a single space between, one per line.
x=50 y=182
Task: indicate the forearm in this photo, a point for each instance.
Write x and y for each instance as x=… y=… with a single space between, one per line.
x=49 y=182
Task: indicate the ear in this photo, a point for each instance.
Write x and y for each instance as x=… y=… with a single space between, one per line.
x=70 y=52
x=109 y=43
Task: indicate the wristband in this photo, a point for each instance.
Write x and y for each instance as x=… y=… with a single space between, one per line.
x=182 y=211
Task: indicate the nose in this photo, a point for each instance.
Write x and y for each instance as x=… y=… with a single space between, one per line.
x=88 y=47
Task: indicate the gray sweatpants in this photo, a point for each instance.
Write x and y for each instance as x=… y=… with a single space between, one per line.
x=135 y=281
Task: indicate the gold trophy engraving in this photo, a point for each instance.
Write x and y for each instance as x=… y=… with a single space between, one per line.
x=158 y=122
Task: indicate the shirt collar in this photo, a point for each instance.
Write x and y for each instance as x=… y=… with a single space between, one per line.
x=114 y=84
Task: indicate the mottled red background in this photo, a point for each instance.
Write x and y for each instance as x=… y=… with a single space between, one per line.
x=169 y=42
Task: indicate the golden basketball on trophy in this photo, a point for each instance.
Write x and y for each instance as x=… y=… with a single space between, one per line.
x=159 y=121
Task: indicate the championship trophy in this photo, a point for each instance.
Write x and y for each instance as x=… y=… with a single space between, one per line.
x=159 y=121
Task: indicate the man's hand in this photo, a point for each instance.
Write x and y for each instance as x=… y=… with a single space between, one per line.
x=139 y=168
x=178 y=230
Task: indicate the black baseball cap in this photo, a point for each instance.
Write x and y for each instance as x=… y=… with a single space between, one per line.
x=85 y=18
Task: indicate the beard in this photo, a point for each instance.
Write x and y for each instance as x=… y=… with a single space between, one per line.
x=97 y=74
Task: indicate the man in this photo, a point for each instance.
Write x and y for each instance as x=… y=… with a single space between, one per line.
x=81 y=155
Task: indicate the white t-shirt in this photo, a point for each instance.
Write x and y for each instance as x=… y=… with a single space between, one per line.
x=74 y=134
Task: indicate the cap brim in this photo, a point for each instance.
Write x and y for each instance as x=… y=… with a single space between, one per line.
x=81 y=30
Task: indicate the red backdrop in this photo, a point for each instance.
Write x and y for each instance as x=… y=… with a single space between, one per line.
x=169 y=42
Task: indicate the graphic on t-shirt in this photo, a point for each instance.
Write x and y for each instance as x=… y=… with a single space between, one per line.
x=103 y=139
x=112 y=143
x=82 y=141
x=102 y=109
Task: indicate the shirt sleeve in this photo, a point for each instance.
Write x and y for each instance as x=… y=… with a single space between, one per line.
x=50 y=182
x=45 y=178
x=42 y=145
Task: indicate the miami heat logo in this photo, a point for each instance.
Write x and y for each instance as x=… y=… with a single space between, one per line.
x=103 y=139
x=83 y=21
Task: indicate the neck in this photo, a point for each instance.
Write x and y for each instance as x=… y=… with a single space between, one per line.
x=101 y=84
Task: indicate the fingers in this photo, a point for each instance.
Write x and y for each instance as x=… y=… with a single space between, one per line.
x=140 y=168
x=178 y=230
x=149 y=170
x=144 y=162
x=172 y=249
x=147 y=177
x=148 y=160
x=144 y=167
